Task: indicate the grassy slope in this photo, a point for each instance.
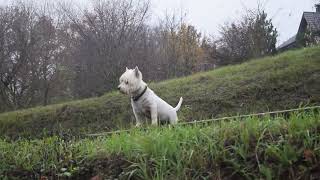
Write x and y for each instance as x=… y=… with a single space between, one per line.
x=279 y=82
x=252 y=148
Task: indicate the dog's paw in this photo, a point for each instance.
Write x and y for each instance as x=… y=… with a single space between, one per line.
x=138 y=125
x=154 y=124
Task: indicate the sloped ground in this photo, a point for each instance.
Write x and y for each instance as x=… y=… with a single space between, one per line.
x=272 y=83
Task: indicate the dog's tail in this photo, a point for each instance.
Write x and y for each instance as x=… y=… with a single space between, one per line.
x=179 y=104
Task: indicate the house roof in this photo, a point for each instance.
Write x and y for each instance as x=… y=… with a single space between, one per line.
x=288 y=42
x=313 y=20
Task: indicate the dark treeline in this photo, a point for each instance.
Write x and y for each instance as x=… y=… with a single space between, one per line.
x=51 y=52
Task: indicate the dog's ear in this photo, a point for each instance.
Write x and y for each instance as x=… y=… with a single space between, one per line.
x=127 y=69
x=136 y=71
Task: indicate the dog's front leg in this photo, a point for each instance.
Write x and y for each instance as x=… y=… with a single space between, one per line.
x=138 y=119
x=154 y=115
x=136 y=115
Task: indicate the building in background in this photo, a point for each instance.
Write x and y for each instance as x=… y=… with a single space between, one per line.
x=308 y=32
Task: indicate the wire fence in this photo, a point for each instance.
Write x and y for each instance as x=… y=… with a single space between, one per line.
x=218 y=119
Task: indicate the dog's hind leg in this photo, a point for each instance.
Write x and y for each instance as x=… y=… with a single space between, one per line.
x=174 y=119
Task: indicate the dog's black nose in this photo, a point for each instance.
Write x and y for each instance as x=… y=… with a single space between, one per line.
x=118 y=88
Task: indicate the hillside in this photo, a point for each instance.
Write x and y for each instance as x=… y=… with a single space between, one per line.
x=284 y=81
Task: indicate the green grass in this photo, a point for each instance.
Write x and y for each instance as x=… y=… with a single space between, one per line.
x=252 y=148
x=284 y=81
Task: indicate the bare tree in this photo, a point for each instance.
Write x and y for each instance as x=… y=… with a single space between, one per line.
x=17 y=75
x=254 y=36
x=29 y=56
x=107 y=39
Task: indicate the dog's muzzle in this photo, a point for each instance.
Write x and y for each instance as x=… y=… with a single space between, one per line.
x=121 y=90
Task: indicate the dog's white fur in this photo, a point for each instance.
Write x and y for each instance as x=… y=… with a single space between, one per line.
x=149 y=104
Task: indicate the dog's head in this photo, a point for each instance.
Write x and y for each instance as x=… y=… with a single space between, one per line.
x=130 y=81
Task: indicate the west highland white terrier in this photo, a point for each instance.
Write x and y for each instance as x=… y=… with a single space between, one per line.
x=144 y=102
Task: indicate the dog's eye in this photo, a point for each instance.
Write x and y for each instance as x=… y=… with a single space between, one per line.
x=127 y=82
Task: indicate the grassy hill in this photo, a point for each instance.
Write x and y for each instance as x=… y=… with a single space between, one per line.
x=283 y=81
x=252 y=148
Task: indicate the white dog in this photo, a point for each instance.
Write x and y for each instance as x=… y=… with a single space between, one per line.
x=145 y=103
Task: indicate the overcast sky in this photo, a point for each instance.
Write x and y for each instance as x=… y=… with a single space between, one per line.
x=209 y=15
